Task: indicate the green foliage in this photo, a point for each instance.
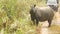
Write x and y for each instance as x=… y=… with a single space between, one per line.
x=17 y=12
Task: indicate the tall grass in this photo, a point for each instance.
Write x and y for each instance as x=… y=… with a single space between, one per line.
x=14 y=16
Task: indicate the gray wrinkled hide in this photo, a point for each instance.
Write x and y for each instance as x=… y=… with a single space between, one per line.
x=41 y=14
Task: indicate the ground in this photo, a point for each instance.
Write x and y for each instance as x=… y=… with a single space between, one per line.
x=54 y=29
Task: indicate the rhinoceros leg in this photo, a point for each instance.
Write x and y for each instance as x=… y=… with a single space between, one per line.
x=33 y=19
x=37 y=22
x=33 y=22
x=49 y=21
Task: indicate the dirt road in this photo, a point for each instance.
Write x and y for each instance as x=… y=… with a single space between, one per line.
x=54 y=29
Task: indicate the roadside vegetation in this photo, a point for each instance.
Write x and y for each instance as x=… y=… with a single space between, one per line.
x=14 y=16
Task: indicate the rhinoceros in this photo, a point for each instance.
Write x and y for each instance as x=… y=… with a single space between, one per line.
x=41 y=14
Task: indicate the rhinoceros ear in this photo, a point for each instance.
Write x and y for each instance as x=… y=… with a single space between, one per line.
x=34 y=5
